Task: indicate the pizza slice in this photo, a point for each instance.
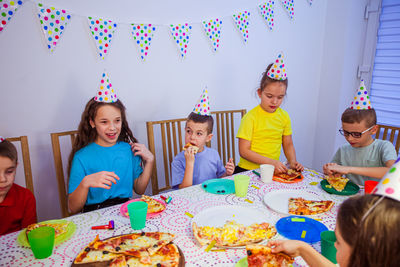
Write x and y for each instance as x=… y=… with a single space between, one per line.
x=338 y=182
x=119 y=261
x=167 y=255
x=59 y=228
x=90 y=254
x=262 y=256
x=195 y=148
x=300 y=206
x=153 y=205
x=290 y=175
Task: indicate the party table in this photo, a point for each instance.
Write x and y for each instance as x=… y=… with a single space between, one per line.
x=175 y=219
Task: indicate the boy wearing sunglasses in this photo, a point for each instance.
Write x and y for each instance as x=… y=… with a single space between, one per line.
x=363 y=158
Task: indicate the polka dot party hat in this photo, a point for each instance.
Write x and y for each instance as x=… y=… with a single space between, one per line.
x=103 y=32
x=105 y=93
x=278 y=69
x=389 y=185
x=212 y=29
x=361 y=99
x=267 y=11
x=7 y=11
x=2 y=139
x=53 y=22
x=202 y=106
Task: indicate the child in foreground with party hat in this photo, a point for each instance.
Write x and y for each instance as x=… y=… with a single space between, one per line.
x=106 y=160
x=17 y=204
x=363 y=158
x=367 y=229
x=266 y=129
x=198 y=163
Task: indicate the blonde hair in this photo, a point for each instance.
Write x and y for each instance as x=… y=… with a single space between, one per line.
x=376 y=239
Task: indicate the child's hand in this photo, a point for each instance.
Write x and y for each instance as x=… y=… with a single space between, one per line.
x=339 y=169
x=297 y=166
x=189 y=155
x=230 y=167
x=101 y=179
x=279 y=167
x=327 y=168
x=142 y=151
x=290 y=247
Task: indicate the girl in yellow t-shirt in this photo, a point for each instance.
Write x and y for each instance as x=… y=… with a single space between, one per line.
x=265 y=128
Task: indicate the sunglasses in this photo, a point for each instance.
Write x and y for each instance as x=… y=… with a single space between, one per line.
x=354 y=134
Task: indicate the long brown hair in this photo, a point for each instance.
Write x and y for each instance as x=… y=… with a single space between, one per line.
x=87 y=134
x=376 y=240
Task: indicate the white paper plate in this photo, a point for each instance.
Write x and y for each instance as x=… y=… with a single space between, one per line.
x=279 y=200
x=219 y=215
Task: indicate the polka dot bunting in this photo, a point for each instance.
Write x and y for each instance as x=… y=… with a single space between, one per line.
x=212 y=29
x=181 y=34
x=361 y=100
x=389 y=185
x=2 y=139
x=202 y=106
x=242 y=23
x=267 y=11
x=7 y=11
x=53 y=22
x=278 y=69
x=105 y=93
x=143 y=35
x=289 y=7
x=103 y=32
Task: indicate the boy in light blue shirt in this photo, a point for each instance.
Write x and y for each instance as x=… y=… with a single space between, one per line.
x=363 y=158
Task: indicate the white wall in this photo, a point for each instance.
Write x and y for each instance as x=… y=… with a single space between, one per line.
x=43 y=93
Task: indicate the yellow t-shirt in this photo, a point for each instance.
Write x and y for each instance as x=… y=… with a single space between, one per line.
x=265 y=131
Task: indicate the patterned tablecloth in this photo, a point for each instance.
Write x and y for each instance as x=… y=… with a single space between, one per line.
x=174 y=220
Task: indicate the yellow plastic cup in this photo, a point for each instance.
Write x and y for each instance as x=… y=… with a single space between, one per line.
x=241 y=184
x=41 y=241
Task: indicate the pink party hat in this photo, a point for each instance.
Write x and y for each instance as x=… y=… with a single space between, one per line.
x=202 y=106
x=2 y=139
x=105 y=93
x=361 y=99
x=389 y=186
x=277 y=71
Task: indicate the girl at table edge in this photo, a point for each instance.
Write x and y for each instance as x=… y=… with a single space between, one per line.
x=266 y=128
x=106 y=160
x=370 y=241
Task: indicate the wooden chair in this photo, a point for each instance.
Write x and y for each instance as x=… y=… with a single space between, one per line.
x=58 y=163
x=171 y=135
x=389 y=133
x=26 y=160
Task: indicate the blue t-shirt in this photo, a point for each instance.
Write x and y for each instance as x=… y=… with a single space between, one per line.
x=95 y=158
x=207 y=165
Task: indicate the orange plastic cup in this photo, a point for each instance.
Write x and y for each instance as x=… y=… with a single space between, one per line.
x=369 y=185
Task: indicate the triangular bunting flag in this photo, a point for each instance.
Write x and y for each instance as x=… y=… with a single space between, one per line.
x=7 y=11
x=181 y=34
x=213 y=32
x=242 y=23
x=310 y=2
x=143 y=34
x=53 y=23
x=289 y=7
x=267 y=11
x=103 y=32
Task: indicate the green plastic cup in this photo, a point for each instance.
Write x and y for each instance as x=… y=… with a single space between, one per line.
x=241 y=184
x=41 y=241
x=137 y=214
x=328 y=239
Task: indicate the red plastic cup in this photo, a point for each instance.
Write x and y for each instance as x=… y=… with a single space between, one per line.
x=369 y=185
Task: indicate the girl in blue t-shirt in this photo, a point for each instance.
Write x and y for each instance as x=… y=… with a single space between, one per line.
x=106 y=161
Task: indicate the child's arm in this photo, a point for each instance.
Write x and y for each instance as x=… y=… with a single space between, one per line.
x=142 y=181
x=375 y=172
x=77 y=199
x=229 y=167
x=290 y=153
x=246 y=153
x=29 y=210
x=189 y=167
x=299 y=248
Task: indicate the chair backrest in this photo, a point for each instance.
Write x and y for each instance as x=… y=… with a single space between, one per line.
x=170 y=136
x=389 y=133
x=58 y=163
x=26 y=160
